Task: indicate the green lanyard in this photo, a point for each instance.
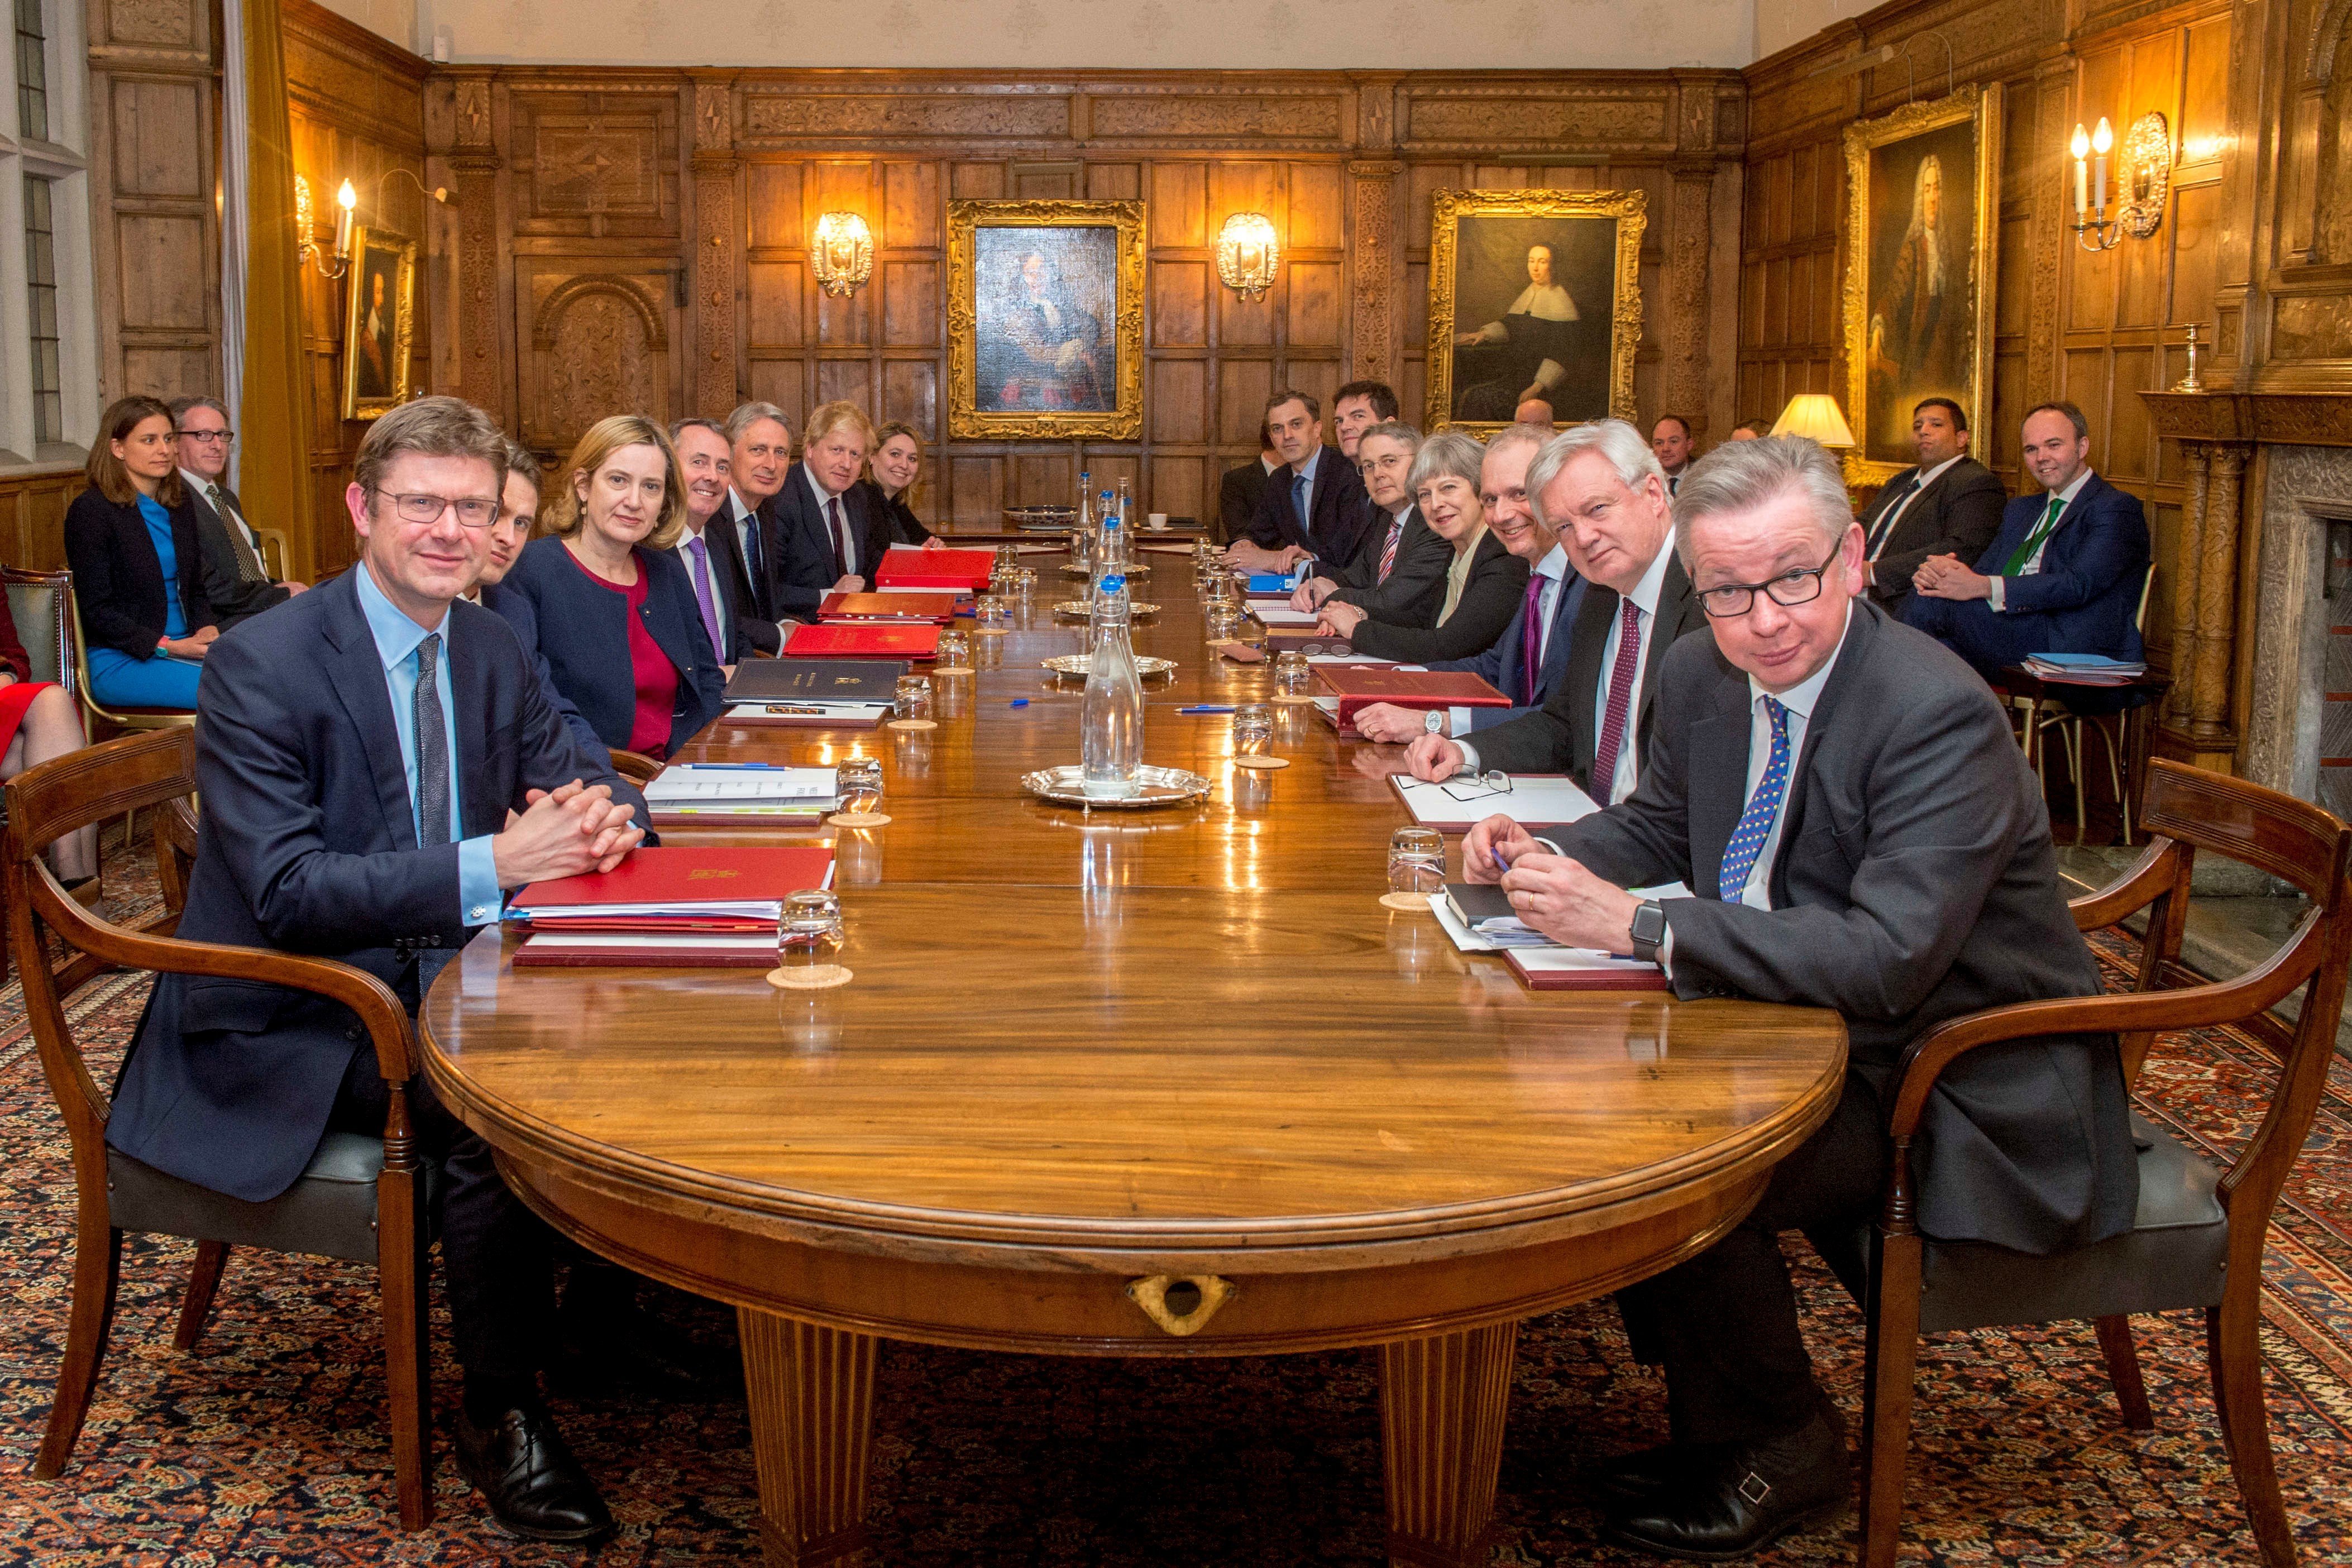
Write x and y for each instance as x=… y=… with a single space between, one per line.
x=2024 y=552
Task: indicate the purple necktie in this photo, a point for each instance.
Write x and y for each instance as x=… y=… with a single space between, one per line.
x=1617 y=716
x=702 y=554
x=1531 y=639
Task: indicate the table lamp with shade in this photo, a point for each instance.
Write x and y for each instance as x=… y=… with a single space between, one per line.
x=1815 y=415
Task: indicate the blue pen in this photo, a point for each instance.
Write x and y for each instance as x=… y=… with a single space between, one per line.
x=1020 y=702
x=1204 y=708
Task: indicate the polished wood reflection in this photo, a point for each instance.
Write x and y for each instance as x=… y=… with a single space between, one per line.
x=1088 y=1048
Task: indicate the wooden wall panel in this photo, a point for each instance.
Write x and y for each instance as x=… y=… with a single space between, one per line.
x=1319 y=153
x=33 y=504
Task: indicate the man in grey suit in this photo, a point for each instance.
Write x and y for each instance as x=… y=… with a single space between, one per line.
x=235 y=581
x=1599 y=486
x=1951 y=504
x=1862 y=834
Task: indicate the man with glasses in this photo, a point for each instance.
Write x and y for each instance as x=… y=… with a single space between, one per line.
x=313 y=843
x=1862 y=834
x=1599 y=488
x=235 y=581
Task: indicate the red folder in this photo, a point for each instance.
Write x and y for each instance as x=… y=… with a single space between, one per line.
x=864 y=639
x=937 y=608
x=1359 y=685
x=965 y=570
x=560 y=950
x=679 y=879
x=1649 y=977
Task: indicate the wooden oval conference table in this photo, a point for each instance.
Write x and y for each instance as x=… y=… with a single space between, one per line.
x=1123 y=1083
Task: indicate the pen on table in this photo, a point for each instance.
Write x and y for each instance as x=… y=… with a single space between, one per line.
x=1206 y=708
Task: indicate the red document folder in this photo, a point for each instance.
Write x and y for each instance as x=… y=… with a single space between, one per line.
x=1359 y=685
x=864 y=639
x=965 y=570
x=937 y=608
x=1528 y=964
x=565 y=949
x=678 y=890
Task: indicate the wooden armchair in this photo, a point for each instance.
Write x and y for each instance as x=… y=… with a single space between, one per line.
x=636 y=767
x=2198 y=1238
x=362 y=1198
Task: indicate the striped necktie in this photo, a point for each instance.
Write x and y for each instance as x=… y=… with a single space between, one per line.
x=1388 y=550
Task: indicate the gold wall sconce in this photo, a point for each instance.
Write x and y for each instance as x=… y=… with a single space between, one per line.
x=1248 y=254
x=2144 y=175
x=306 y=248
x=842 y=255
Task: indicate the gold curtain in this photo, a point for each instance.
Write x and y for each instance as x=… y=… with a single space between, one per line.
x=274 y=426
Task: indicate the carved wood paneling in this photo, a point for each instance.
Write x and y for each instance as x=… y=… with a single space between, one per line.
x=840 y=116
x=33 y=513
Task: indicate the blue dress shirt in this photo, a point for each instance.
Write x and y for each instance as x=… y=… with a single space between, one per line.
x=396 y=639
x=159 y=529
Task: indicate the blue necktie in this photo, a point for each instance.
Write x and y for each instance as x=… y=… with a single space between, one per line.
x=1763 y=809
x=1299 y=504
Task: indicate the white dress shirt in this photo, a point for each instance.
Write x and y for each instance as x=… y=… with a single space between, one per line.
x=695 y=572
x=1800 y=699
x=203 y=487
x=824 y=500
x=1553 y=571
x=2033 y=562
x=1885 y=526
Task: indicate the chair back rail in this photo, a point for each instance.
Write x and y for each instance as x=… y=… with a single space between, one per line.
x=175 y=856
x=36 y=604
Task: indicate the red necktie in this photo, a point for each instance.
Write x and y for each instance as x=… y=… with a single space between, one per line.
x=840 y=539
x=1619 y=713
x=1530 y=639
x=1388 y=551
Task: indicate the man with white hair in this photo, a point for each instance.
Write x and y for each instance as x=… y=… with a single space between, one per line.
x=1602 y=490
x=1862 y=834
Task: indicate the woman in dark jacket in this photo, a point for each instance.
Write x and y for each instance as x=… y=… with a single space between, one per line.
x=1483 y=587
x=891 y=471
x=617 y=622
x=130 y=540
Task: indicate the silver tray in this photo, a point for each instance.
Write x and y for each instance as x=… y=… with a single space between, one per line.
x=1085 y=611
x=1072 y=569
x=1154 y=786
x=1075 y=663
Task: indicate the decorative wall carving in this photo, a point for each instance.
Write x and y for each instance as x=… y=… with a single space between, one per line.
x=835 y=116
x=1379 y=264
x=1533 y=120
x=152 y=22
x=1253 y=116
x=588 y=165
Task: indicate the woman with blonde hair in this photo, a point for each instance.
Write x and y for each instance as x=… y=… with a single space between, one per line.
x=891 y=470
x=617 y=622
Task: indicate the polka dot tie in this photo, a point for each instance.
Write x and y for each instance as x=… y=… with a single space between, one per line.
x=1763 y=809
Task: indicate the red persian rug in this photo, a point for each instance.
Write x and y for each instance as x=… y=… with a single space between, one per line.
x=266 y=1446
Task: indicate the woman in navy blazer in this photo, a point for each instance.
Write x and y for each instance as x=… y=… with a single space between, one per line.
x=130 y=540
x=617 y=622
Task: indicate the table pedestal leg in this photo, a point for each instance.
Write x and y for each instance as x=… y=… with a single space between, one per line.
x=812 y=1401
x=1442 y=1406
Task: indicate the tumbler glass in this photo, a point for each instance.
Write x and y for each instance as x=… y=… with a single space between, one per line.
x=1416 y=861
x=913 y=699
x=1253 y=729
x=988 y=611
x=955 y=650
x=808 y=929
x=858 y=782
x=1292 y=673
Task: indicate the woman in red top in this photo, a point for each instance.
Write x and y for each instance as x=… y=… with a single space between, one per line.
x=38 y=722
x=618 y=624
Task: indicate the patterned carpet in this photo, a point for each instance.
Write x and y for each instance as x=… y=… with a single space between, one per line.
x=266 y=1446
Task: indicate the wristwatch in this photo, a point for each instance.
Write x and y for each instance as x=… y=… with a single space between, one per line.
x=1649 y=930
x=1434 y=722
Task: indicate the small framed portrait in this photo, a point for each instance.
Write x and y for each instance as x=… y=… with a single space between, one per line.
x=1920 y=236
x=1534 y=295
x=378 y=323
x=1045 y=319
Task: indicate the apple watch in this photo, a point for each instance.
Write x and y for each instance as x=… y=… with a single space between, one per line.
x=1649 y=930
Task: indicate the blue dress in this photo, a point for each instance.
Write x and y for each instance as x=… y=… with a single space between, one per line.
x=116 y=679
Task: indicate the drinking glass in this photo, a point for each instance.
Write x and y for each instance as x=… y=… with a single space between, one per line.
x=988 y=611
x=1416 y=861
x=858 y=782
x=1008 y=556
x=1223 y=620
x=1253 y=729
x=1291 y=673
x=999 y=582
x=1025 y=583
x=913 y=700
x=808 y=931
x=955 y=650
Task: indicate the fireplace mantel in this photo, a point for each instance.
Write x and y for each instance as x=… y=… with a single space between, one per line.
x=2271 y=419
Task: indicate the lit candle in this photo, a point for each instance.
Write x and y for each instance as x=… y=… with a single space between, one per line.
x=2081 y=148
x=2102 y=140
x=345 y=200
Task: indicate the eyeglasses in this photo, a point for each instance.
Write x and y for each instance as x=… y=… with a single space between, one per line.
x=1735 y=599
x=226 y=438
x=473 y=511
x=1478 y=786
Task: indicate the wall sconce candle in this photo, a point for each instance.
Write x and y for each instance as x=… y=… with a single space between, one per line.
x=842 y=255
x=1248 y=254
x=2146 y=180
x=305 y=247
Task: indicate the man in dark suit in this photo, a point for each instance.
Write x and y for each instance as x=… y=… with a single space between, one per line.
x=377 y=762
x=1532 y=656
x=1862 y=834
x=1314 y=506
x=235 y=581
x=1948 y=505
x=1601 y=487
x=2065 y=573
x=1670 y=442
x=828 y=540
x=1238 y=491
x=713 y=556
x=762 y=454
x=1398 y=574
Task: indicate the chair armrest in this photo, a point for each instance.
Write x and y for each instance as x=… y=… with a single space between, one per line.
x=635 y=766
x=2162 y=867
x=274 y=552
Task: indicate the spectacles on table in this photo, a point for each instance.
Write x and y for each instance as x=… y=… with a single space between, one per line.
x=1478 y=786
x=473 y=511
x=1733 y=600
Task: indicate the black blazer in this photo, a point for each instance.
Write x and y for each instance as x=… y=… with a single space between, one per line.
x=583 y=634
x=1489 y=599
x=805 y=544
x=522 y=617
x=1915 y=883
x=1337 y=504
x=897 y=517
x=307 y=844
x=118 y=578
x=739 y=622
x=1957 y=515
x=1560 y=737
x=1415 y=588
x=231 y=598
x=1237 y=496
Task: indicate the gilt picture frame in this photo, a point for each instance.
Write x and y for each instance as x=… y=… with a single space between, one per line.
x=1533 y=289
x=1045 y=320
x=1922 y=231
x=378 y=323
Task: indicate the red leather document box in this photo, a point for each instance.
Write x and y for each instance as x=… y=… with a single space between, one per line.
x=864 y=639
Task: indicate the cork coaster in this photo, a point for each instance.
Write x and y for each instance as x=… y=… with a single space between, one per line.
x=1261 y=762
x=1292 y=702
x=820 y=977
x=1409 y=903
x=990 y=631
x=858 y=818
x=952 y=669
x=913 y=724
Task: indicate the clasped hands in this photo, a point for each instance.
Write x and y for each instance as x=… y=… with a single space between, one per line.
x=1943 y=577
x=563 y=832
x=1552 y=893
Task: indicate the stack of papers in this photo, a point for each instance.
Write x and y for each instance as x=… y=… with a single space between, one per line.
x=702 y=792
x=1534 y=800
x=669 y=907
x=1275 y=614
x=2084 y=668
